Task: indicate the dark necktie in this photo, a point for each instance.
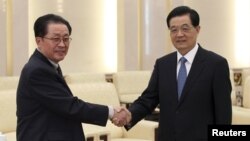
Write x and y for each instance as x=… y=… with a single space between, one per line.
x=59 y=71
x=182 y=75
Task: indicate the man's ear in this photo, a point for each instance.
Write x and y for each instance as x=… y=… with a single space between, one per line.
x=38 y=40
x=198 y=28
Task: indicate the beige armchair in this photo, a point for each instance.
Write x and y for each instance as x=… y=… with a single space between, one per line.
x=8 y=82
x=241 y=115
x=130 y=84
x=8 y=86
x=233 y=95
x=8 y=118
x=102 y=93
x=82 y=77
x=105 y=93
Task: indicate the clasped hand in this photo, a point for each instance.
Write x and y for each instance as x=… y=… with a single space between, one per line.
x=121 y=116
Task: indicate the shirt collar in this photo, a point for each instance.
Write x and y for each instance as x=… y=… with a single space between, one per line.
x=190 y=55
x=55 y=65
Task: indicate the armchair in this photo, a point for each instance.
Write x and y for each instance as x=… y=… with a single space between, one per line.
x=105 y=93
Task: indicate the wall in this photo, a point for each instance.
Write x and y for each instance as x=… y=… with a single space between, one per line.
x=217 y=26
x=3 y=51
x=14 y=38
x=20 y=38
x=87 y=51
x=142 y=34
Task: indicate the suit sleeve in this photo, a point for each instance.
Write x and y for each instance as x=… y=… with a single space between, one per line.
x=147 y=102
x=222 y=94
x=54 y=95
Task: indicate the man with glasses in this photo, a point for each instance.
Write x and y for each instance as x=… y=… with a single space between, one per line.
x=46 y=108
x=191 y=85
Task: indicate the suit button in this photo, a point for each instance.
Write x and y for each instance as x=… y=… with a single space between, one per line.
x=177 y=112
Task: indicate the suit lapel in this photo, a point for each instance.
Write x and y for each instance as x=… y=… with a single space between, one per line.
x=172 y=75
x=44 y=59
x=196 y=68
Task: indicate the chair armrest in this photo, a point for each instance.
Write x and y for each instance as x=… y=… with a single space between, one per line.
x=143 y=130
x=95 y=132
x=241 y=115
x=10 y=136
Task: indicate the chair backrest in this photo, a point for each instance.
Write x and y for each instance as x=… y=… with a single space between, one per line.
x=245 y=74
x=232 y=79
x=246 y=92
x=8 y=87
x=8 y=110
x=233 y=95
x=99 y=93
x=8 y=82
x=82 y=77
x=130 y=84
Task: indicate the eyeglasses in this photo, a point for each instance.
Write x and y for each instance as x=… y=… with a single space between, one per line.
x=184 y=29
x=57 y=40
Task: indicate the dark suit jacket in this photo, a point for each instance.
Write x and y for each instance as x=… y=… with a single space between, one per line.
x=205 y=99
x=46 y=108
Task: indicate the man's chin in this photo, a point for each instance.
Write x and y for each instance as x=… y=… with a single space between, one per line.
x=60 y=58
x=181 y=47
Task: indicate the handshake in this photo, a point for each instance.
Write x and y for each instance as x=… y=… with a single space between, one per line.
x=121 y=116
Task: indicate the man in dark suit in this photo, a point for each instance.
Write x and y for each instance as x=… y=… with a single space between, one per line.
x=205 y=97
x=46 y=108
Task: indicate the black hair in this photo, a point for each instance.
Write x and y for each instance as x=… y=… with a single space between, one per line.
x=41 y=24
x=183 y=10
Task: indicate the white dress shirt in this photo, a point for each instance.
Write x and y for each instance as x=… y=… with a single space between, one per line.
x=190 y=58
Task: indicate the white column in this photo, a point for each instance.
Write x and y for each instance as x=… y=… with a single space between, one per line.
x=3 y=45
x=145 y=35
x=20 y=36
x=155 y=35
x=131 y=44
